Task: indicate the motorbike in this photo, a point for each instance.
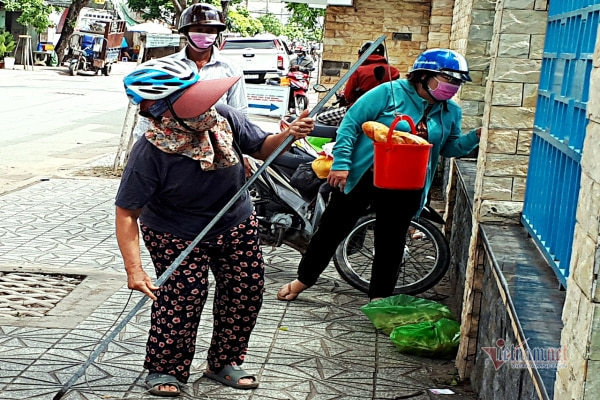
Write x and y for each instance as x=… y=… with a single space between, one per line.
x=298 y=82
x=289 y=215
x=95 y=52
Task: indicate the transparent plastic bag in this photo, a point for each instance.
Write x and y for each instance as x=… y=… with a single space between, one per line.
x=390 y=312
x=437 y=339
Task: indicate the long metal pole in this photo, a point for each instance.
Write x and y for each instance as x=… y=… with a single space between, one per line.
x=167 y=274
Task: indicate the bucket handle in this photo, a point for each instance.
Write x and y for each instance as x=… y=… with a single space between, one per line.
x=401 y=117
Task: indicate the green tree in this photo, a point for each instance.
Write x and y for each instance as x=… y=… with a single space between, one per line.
x=240 y=21
x=271 y=24
x=307 y=19
x=167 y=10
x=34 y=13
x=293 y=31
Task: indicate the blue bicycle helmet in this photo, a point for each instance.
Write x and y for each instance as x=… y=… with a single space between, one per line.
x=444 y=61
x=158 y=78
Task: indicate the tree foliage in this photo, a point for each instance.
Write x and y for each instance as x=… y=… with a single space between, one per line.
x=271 y=24
x=34 y=13
x=163 y=10
x=167 y=10
x=305 y=22
x=240 y=21
x=307 y=19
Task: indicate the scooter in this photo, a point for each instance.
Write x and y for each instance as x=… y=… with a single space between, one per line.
x=298 y=82
x=289 y=214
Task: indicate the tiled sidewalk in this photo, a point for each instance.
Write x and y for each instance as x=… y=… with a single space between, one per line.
x=318 y=347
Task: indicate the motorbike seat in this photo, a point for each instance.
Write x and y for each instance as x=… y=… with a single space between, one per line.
x=287 y=162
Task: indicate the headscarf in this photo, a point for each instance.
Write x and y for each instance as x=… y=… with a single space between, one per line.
x=210 y=142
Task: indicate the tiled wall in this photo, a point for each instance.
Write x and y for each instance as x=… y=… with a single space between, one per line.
x=510 y=94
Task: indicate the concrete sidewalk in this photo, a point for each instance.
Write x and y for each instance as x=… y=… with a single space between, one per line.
x=318 y=347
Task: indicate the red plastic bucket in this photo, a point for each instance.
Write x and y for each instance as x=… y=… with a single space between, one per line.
x=400 y=166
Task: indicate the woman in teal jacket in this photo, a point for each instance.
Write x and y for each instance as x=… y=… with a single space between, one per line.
x=435 y=77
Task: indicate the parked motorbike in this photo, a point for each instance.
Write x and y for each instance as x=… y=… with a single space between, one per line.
x=91 y=53
x=298 y=82
x=289 y=215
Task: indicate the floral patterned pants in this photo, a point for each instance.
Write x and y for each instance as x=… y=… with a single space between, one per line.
x=235 y=259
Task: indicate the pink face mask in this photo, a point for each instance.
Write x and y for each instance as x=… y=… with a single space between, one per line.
x=202 y=40
x=444 y=90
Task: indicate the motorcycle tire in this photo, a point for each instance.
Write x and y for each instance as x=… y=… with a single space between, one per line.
x=425 y=262
x=73 y=68
x=301 y=103
x=107 y=69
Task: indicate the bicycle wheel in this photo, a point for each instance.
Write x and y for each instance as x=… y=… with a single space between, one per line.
x=425 y=262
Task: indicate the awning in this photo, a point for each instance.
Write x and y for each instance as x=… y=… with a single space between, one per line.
x=150 y=27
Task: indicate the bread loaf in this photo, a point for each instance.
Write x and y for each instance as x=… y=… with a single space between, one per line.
x=378 y=132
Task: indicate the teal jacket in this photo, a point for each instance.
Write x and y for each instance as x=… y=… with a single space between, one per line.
x=353 y=150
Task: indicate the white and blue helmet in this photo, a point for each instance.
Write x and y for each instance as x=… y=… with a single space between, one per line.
x=444 y=61
x=158 y=78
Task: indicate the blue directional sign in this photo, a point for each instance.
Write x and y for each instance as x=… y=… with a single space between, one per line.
x=270 y=107
x=267 y=100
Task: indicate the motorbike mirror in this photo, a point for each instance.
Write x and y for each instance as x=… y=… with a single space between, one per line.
x=320 y=88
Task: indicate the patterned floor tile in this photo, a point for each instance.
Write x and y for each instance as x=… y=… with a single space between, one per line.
x=319 y=347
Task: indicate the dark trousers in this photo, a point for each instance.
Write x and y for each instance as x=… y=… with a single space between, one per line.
x=394 y=210
x=235 y=259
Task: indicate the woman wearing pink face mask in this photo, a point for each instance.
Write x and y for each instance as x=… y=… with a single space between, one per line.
x=425 y=96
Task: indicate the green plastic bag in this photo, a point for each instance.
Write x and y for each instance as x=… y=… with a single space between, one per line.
x=402 y=309
x=53 y=59
x=317 y=142
x=438 y=339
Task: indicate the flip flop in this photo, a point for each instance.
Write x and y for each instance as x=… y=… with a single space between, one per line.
x=231 y=375
x=156 y=379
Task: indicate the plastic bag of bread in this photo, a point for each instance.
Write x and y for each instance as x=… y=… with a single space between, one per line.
x=378 y=132
x=322 y=165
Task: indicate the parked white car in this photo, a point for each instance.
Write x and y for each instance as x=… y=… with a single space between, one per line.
x=259 y=56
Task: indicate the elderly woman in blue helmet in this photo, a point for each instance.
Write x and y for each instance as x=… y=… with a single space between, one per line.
x=425 y=96
x=178 y=177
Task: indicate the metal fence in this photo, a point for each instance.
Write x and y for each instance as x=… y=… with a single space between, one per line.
x=559 y=130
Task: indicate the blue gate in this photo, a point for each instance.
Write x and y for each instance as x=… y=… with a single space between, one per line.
x=559 y=130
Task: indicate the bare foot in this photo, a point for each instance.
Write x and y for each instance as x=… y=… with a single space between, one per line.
x=290 y=291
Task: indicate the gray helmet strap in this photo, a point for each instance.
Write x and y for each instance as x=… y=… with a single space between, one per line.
x=174 y=114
